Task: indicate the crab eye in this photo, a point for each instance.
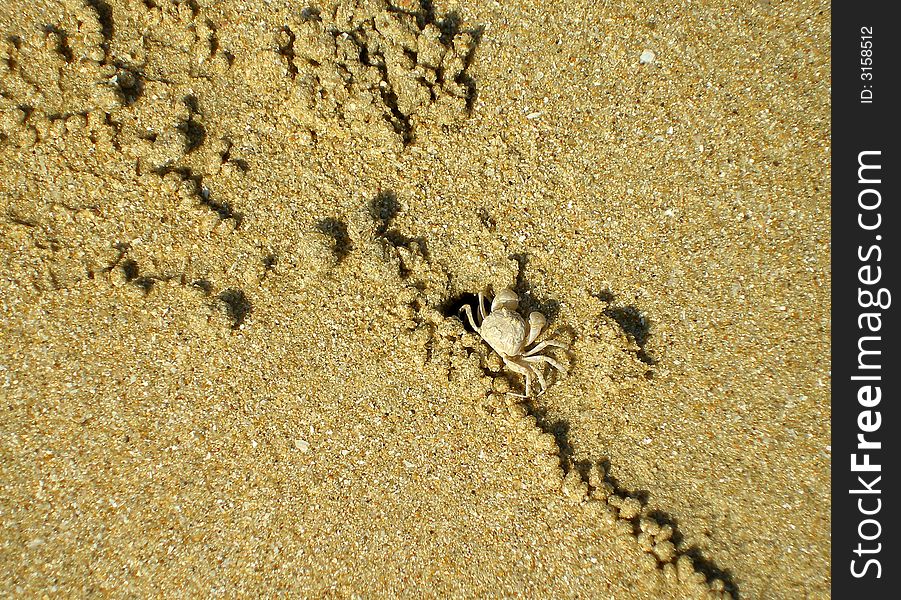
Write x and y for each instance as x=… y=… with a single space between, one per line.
x=506 y=298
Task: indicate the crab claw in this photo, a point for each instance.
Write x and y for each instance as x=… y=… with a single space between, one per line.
x=536 y=325
x=506 y=298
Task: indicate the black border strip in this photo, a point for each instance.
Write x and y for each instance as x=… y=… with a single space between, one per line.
x=865 y=334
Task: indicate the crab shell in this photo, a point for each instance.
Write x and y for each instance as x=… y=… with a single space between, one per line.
x=505 y=331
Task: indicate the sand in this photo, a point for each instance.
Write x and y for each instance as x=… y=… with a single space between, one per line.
x=234 y=240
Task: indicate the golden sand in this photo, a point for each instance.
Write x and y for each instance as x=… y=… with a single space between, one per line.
x=234 y=236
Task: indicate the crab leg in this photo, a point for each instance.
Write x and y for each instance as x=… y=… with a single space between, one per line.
x=540 y=374
x=545 y=344
x=482 y=310
x=523 y=370
x=468 y=310
x=547 y=359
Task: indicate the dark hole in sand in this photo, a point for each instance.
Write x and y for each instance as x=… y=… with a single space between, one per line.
x=453 y=307
x=237 y=306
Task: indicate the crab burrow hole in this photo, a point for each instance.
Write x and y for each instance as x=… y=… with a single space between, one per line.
x=453 y=307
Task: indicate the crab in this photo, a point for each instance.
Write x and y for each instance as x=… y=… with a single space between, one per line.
x=510 y=336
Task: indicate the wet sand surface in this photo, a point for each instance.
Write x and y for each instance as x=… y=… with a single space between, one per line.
x=235 y=238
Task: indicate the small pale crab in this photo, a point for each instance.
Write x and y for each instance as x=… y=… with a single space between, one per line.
x=510 y=336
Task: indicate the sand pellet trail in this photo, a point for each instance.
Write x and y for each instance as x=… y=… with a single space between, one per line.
x=235 y=238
